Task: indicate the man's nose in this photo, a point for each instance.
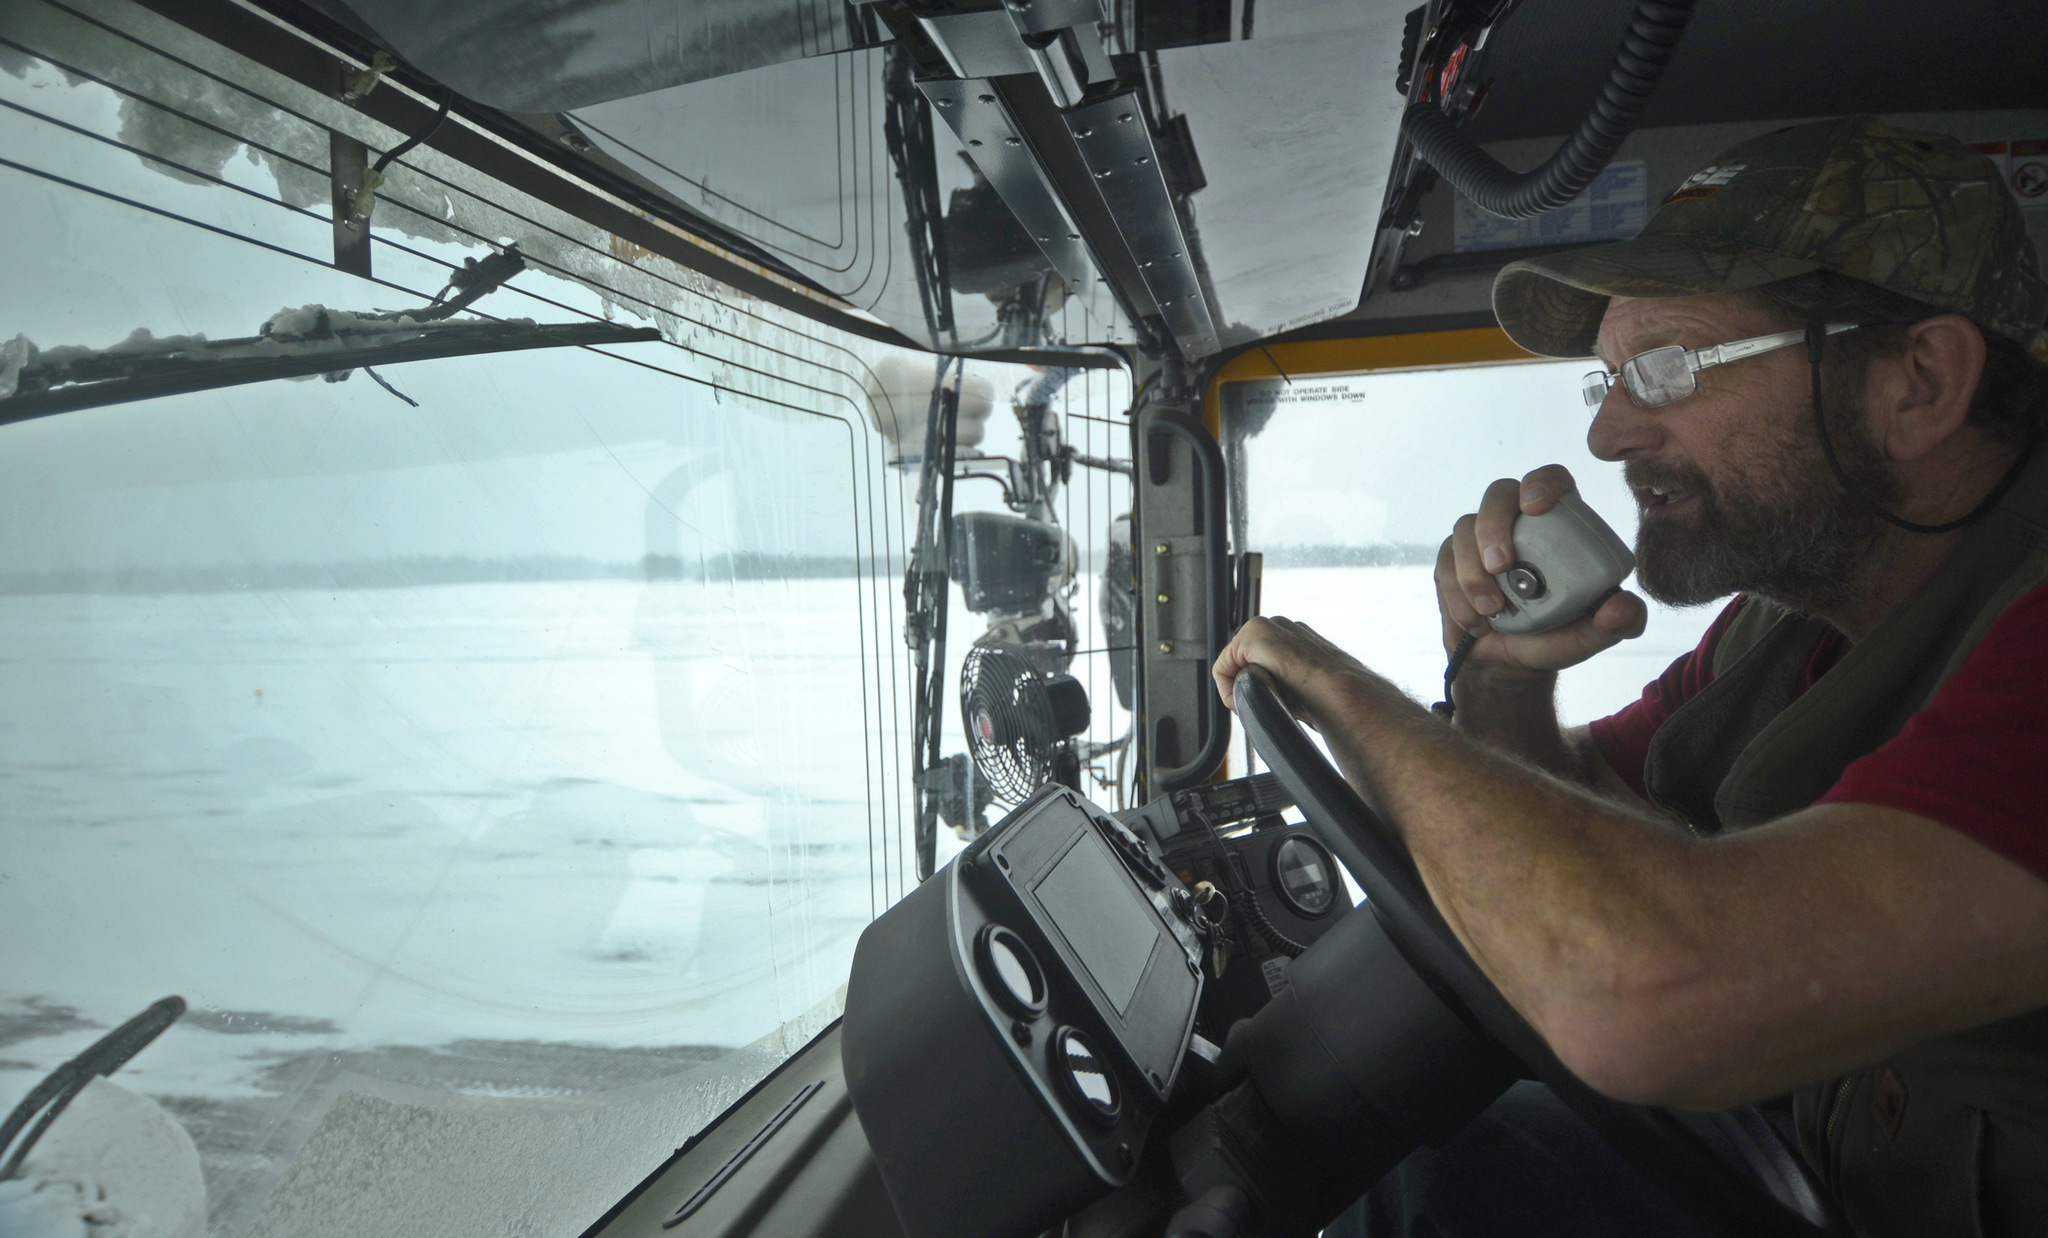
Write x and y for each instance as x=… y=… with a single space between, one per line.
x=1621 y=430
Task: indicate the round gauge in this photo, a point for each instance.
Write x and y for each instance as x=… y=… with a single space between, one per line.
x=1087 y=1077
x=1010 y=971
x=1304 y=875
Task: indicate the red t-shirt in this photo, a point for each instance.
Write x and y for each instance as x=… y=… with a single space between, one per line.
x=1976 y=759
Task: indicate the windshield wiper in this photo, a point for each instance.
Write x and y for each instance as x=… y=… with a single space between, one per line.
x=294 y=343
x=54 y=1094
x=62 y=380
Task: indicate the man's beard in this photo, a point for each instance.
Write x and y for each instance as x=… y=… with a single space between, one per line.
x=1780 y=525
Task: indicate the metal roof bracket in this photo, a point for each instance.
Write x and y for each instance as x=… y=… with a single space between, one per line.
x=1114 y=139
x=981 y=120
x=1111 y=150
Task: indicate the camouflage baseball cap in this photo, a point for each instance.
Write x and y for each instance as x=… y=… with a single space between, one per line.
x=1916 y=213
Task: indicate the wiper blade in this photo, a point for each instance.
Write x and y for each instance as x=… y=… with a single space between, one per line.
x=294 y=344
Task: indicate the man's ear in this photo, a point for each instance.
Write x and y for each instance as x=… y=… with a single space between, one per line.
x=1922 y=395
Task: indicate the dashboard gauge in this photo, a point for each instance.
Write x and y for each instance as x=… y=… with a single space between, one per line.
x=1305 y=875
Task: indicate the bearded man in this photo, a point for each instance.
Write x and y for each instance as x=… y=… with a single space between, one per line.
x=1809 y=868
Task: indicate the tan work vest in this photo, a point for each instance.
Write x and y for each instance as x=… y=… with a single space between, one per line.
x=1949 y=1137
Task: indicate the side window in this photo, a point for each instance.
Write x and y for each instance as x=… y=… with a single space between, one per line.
x=1350 y=483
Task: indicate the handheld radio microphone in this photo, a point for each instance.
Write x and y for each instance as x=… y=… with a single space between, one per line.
x=1567 y=561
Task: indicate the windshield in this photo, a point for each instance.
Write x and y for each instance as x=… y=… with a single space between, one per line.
x=500 y=754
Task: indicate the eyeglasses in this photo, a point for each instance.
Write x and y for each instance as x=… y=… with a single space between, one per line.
x=1664 y=375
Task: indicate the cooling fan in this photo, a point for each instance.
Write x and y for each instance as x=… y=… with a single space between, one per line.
x=1020 y=721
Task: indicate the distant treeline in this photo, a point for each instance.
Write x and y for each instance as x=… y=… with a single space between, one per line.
x=461 y=569
x=1379 y=554
x=440 y=570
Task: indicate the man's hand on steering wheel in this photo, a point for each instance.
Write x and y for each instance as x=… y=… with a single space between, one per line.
x=1304 y=667
x=1482 y=543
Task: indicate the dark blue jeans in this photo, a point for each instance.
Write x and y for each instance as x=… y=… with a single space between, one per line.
x=1526 y=1168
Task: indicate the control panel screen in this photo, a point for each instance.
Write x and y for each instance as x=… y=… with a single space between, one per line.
x=1108 y=924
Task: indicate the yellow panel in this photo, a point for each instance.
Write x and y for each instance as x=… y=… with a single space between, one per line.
x=1428 y=350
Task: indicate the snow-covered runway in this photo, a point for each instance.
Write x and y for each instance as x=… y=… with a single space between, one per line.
x=511 y=840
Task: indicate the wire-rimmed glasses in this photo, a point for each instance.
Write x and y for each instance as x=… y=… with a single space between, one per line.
x=1663 y=375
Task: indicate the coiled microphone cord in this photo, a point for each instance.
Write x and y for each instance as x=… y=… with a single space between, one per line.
x=1445 y=709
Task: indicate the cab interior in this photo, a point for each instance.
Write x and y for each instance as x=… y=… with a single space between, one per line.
x=550 y=544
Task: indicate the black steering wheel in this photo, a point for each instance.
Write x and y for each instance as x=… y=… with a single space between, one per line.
x=1654 y=1140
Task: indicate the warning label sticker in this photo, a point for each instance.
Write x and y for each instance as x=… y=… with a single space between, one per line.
x=2023 y=162
x=2029 y=173
x=1613 y=208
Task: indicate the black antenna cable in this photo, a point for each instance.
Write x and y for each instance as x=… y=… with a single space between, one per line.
x=1639 y=64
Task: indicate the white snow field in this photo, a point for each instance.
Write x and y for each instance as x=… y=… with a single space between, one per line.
x=502 y=840
x=596 y=813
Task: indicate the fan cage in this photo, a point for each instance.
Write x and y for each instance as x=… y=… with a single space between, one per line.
x=1009 y=721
